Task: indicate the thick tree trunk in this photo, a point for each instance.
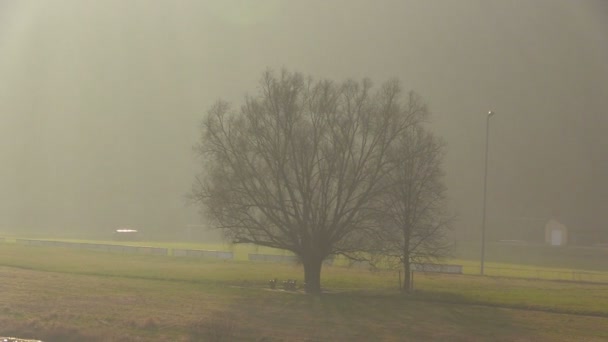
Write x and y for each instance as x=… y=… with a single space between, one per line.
x=312 y=275
x=407 y=274
x=407 y=277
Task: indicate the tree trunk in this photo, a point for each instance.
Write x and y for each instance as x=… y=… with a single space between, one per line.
x=407 y=277
x=312 y=275
x=407 y=280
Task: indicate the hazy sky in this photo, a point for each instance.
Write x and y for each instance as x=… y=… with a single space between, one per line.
x=100 y=100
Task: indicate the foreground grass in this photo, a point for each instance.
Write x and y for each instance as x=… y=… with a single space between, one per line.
x=58 y=294
x=70 y=307
x=67 y=307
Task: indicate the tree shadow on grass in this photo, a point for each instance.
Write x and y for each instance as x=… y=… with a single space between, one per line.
x=454 y=298
x=359 y=316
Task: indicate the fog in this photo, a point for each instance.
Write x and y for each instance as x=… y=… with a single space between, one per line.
x=100 y=101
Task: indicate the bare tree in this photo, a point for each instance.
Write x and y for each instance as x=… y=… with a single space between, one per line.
x=412 y=212
x=298 y=167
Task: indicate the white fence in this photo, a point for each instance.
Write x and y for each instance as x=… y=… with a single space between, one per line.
x=273 y=258
x=437 y=268
x=283 y=258
x=97 y=247
x=223 y=255
x=549 y=274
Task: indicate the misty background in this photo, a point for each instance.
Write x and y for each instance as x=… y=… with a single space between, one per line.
x=101 y=101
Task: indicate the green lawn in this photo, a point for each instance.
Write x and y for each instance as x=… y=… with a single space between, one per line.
x=504 y=260
x=56 y=293
x=536 y=256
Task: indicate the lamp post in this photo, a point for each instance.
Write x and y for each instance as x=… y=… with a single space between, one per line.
x=485 y=190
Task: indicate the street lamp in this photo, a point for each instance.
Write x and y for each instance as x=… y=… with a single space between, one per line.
x=485 y=185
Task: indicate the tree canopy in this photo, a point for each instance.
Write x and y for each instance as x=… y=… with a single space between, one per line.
x=300 y=165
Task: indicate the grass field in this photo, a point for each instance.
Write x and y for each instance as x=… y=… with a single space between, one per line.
x=537 y=255
x=59 y=294
x=504 y=260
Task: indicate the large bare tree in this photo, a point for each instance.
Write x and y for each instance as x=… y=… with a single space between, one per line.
x=413 y=216
x=299 y=165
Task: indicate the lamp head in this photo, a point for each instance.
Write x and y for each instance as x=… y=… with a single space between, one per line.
x=490 y=113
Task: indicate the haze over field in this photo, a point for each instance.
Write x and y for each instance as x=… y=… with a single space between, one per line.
x=100 y=102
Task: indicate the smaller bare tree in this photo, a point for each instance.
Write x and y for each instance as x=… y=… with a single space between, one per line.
x=412 y=213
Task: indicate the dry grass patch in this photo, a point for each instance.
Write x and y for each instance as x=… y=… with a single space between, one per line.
x=109 y=297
